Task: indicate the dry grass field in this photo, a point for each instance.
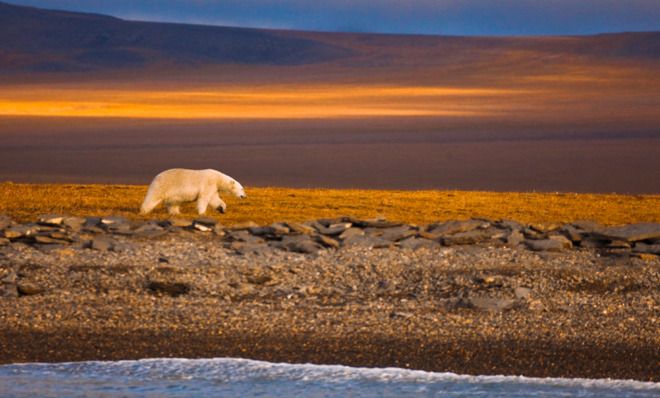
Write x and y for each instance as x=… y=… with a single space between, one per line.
x=266 y=205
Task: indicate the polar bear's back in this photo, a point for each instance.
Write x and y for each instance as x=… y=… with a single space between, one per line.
x=181 y=185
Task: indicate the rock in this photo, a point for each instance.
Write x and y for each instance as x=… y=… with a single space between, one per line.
x=593 y=243
x=489 y=303
x=300 y=244
x=392 y=234
x=149 y=230
x=417 y=243
x=522 y=292
x=553 y=243
x=73 y=223
x=180 y=223
x=26 y=288
x=114 y=220
x=20 y=231
x=332 y=229
x=173 y=289
x=243 y=225
x=280 y=228
x=102 y=243
x=300 y=228
x=43 y=239
x=470 y=237
x=92 y=222
x=8 y=290
x=202 y=227
x=4 y=241
x=641 y=247
x=50 y=219
x=5 y=221
x=377 y=223
x=586 y=226
x=250 y=248
x=243 y=236
x=351 y=232
x=438 y=231
x=9 y=276
x=571 y=233
x=259 y=279
x=207 y=221
x=630 y=233
x=370 y=242
x=327 y=241
x=514 y=238
x=509 y=224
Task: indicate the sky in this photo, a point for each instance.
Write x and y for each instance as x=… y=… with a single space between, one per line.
x=453 y=17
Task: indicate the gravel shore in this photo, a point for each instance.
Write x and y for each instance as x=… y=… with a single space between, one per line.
x=501 y=304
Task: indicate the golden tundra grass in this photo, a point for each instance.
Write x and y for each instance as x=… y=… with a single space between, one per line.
x=24 y=202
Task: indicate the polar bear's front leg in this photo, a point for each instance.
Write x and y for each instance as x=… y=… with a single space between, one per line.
x=218 y=203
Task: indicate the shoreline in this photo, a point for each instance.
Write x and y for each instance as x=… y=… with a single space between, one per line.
x=470 y=297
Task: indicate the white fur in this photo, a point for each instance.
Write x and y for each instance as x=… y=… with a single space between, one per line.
x=176 y=186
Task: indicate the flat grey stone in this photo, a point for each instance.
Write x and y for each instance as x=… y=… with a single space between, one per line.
x=454 y=227
x=180 y=222
x=101 y=243
x=417 y=243
x=327 y=241
x=149 y=230
x=351 y=232
x=243 y=236
x=5 y=221
x=300 y=228
x=515 y=238
x=250 y=248
x=571 y=233
x=509 y=224
x=8 y=290
x=114 y=220
x=554 y=243
x=630 y=233
x=392 y=234
x=20 y=231
x=332 y=229
x=73 y=223
x=92 y=222
x=26 y=288
x=207 y=221
x=377 y=223
x=301 y=244
x=641 y=247
x=470 y=237
x=522 y=292
x=50 y=219
x=490 y=304
x=370 y=242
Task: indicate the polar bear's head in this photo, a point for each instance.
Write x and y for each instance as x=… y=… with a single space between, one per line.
x=237 y=189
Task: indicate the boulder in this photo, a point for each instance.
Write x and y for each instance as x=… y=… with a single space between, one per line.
x=641 y=247
x=630 y=233
x=243 y=236
x=414 y=243
x=370 y=242
x=250 y=248
x=300 y=244
x=515 y=238
x=102 y=243
x=553 y=244
x=149 y=230
x=393 y=234
x=50 y=219
x=470 y=237
x=5 y=221
x=26 y=288
x=180 y=222
x=351 y=232
x=332 y=229
x=453 y=227
x=300 y=228
x=73 y=223
x=493 y=304
x=327 y=241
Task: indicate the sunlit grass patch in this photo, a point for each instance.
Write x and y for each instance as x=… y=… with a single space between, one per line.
x=266 y=205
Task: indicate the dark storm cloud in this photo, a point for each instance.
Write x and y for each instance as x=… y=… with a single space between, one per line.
x=460 y=17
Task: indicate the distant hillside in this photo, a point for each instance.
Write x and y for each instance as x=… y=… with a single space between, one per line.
x=37 y=40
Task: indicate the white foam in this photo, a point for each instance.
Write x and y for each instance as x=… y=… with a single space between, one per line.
x=237 y=369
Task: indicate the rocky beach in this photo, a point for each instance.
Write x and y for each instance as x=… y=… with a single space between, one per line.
x=473 y=296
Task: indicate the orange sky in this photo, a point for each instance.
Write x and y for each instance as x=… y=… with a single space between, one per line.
x=309 y=101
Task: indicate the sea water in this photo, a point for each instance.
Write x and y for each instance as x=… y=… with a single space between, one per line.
x=232 y=377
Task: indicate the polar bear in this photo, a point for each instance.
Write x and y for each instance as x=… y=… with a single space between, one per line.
x=176 y=186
